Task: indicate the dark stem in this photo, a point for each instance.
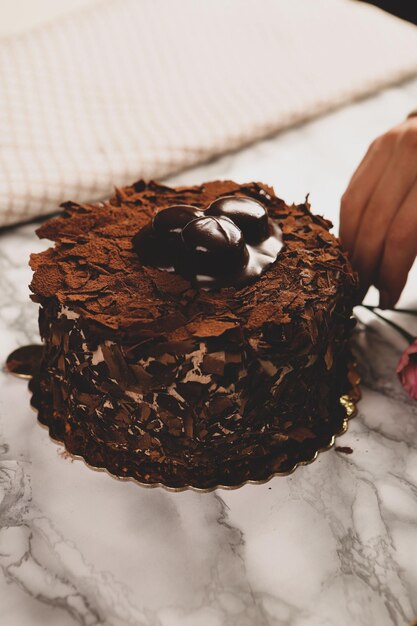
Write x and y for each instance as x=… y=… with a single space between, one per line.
x=407 y=336
x=406 y=311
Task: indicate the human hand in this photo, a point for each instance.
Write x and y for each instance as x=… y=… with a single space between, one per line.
x=378 y=215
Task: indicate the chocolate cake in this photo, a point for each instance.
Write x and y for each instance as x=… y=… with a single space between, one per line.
x=208 y=345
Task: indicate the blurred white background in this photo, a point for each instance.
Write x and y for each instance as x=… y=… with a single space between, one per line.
x=21 y=15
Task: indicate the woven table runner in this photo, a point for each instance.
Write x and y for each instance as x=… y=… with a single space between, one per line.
x=143 y=88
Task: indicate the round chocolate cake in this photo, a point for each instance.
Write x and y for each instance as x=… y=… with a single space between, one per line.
x=196 y=336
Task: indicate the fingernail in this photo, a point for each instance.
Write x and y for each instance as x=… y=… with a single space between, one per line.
x=384 y=300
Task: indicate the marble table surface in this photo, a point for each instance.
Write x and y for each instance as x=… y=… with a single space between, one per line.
x=333 y=544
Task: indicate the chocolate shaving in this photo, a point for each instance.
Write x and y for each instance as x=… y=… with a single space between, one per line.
x=344 y=449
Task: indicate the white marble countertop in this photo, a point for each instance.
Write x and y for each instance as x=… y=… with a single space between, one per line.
x=333 y=544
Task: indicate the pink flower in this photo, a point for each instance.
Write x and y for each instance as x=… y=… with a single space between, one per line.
x=407 y=369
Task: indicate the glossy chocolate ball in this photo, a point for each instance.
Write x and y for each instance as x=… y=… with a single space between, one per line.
x=250 y=215
x=170 y=222
x=215 y=246
x=159 y=243
x=147 y=246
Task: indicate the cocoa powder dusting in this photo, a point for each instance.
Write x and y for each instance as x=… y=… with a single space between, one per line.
x=93 y=256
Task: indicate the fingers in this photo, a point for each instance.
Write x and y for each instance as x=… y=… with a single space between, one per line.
x=399 y=252
x=378 y=220
x=361 y=187
x=394 y=185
